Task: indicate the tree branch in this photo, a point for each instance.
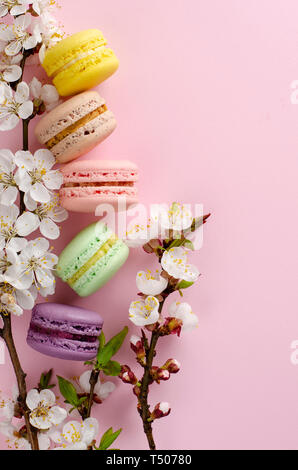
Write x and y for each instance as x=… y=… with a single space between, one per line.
x=93 y=381
x=21 y=379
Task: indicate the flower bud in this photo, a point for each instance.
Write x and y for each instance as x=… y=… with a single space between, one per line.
x=127 y=376
x=172 y=326
x=158 y=374
x=136 y=390
x=161 y=410
x=137 y=345
x=152 y=246
x=172 y=365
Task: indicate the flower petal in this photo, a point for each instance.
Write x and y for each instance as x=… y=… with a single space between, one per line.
x=22 y=92
x=24 y=160
x=32 y=399
x=48 y=228
x=105 y=390
x=47 y=397
x=39 y=193
x=9 y=196
x=27 y=223
x=9 y=122
x=90 y=430
x=25 y=110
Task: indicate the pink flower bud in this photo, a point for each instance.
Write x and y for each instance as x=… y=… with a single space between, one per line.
x=127 y=376
x=158 y=374
x=172 y=326
x=172 y=365
x=137 y=345
x=161 y=410
x=136 y=390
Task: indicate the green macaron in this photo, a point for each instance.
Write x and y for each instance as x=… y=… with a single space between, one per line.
x=91 y=259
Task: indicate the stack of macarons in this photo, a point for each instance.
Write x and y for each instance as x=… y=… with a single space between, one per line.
x=76 y=64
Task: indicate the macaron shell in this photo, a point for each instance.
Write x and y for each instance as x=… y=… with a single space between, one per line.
x=61 y=348
x=81 y=249
x=99 y=275
x=64 y=319
x=67 y=114
x=85 y=138
x=86 y=199
x=99 y=170
x=88 y=205
x=70 y=47
x=86 y=73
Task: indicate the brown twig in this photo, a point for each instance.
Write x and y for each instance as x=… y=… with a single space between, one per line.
x=144 y=408
x=93 y=381
x=6 y=333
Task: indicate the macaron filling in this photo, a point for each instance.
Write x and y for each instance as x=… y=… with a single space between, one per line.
x=81 y=56
x=99 y=254
x=74 y=127
x=86 y=48
x=62 y=334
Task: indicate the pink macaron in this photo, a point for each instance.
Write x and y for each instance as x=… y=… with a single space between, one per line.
x=76 y=126
x=89 y=183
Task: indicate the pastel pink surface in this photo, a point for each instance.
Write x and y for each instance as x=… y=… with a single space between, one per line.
x=87 y=198
x=213 y=124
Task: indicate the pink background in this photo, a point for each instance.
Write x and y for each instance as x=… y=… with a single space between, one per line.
x=202 y=99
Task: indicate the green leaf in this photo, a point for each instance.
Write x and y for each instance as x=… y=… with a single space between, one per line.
x=176 y=243
x=102 y=341
x=109 y=350
x=184 y=285
x=45 y=378
x=188 y=244
x=108 y=438
x=112 y=368
x=68 y=392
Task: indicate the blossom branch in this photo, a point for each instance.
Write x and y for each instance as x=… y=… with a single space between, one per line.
x=21 y=379
x=93 y=381
x=144 y=408
x=171 y=249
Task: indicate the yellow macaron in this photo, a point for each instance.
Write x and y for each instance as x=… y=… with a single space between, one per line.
x=80 y=62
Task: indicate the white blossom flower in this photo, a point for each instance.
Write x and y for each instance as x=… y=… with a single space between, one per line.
x=35 y=175
x=14 y=438
x=13 y=228
x=44 y=411
x=183 y=311
x=14 y=7
x=178 y=217
x=7 y=259
x=139 y=234
x=174 y=262
x=8 y=186
x=151 y=283
x=35 y=265
x=10 y=70
x=46 y=93
x=7 y=405
x=41 y=6
x=144 y=312
x=8 y=305
x=14 y=107
x=50 y=32
x=17 y=37
x=101 y=389
x=76 y=435
x=46 y=216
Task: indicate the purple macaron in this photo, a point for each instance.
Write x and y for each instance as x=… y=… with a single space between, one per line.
x=64 y=331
